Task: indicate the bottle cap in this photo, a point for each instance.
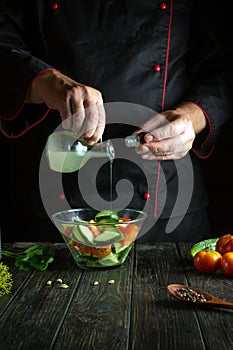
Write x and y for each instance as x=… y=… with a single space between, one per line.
x=132 y=141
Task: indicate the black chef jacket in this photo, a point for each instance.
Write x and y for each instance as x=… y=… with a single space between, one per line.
x=153 y=54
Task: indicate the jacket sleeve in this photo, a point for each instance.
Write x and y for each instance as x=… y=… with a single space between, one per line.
x=18 y=68
x=211 y=56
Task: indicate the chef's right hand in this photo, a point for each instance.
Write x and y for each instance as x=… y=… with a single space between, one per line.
x=80 y=106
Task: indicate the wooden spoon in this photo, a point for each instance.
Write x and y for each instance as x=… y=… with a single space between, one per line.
x=210 y=299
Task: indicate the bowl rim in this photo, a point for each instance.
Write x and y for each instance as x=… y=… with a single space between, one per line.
x=142 y=215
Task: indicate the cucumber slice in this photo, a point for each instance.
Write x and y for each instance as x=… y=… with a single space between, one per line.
x=110 y=260
x=207 y=244
x=83 y=234
x=77 y=236
x=107 y=216
x=117 y=247
x=109 y=235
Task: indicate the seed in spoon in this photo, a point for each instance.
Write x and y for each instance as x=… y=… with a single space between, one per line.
x=189 y=294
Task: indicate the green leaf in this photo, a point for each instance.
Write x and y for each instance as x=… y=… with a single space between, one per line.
x=35 y=257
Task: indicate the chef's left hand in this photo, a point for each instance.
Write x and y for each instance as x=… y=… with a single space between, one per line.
x=170 y=135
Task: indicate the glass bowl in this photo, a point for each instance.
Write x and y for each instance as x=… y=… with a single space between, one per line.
x=99 y=243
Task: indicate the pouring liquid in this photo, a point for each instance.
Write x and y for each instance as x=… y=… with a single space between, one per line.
x=111 y=182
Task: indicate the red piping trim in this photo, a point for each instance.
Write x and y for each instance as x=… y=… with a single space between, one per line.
x=163 y=102
x=207 y=137
x=27 y=92
x=167 y=56
x=157 y=189
x=210 y=126
x=206 y=156
x=30 y=127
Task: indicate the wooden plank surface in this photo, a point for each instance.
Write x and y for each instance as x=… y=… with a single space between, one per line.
x=99 y=316
x=158 y=321
x=135 y=312
x=37 y=310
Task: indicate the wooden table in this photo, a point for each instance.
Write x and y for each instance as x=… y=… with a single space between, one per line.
x=135 y=312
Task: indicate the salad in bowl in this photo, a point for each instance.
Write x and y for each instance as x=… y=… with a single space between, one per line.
x=99 y=239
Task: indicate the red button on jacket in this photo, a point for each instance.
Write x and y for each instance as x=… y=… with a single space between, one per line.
x=157 y=68
x=163 y=6
x=146 y=195
x=54 y=5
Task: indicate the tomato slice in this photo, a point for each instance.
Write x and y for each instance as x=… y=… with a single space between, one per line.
x=124 y=219
x=130 y=232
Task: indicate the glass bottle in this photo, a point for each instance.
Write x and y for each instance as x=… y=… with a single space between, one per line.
x=134 y=140
x=67 y=154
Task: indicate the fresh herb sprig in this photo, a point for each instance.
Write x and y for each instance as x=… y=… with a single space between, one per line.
x=6 y=279
x=35 y=257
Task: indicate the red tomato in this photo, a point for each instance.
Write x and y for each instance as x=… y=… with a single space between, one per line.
x=229 y=246
x=227 y=263
x=207 y=261
x=130 y=232
x=67 y=230
x=224 y=244
x=75 y=245
x=101 y=252
x=124 y=219
x=85 y=249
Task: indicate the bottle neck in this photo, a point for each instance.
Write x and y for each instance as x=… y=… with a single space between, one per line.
x=132 y=141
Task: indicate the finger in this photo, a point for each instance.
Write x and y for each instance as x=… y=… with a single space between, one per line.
x=171 y=148
x=142 y=149
x=164 y=156
x=98 y=134
x=155 y=122
x=67 y=123
x=78 y=121
x=102 y=114
x=99 y=128
x=91 y=121
x=66 y=115
x=166 y=146
x=176 y=153
x=177 y=127
x=164 y=149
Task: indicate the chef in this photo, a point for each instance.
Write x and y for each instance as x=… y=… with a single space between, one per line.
x=81 y=62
